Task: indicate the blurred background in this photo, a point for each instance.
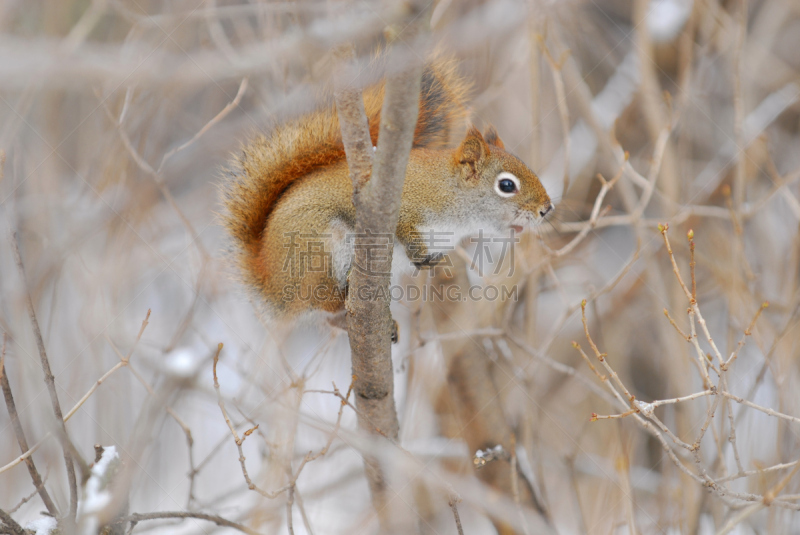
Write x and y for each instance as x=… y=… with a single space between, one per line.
x=117 y=118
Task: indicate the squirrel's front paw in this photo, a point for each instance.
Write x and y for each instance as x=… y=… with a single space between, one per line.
x=430 y=260
x=395 y=332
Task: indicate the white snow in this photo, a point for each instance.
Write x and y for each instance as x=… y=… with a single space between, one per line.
x=96 y=495
x=644 y=407
x=44 y=525
x=183 y=362
x=666 y=19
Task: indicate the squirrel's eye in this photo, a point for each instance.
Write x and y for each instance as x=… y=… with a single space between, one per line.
x=506 y=185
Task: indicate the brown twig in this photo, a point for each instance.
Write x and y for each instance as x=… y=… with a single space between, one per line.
x=663 y=228
x=48 y=379
x=586 y=359
x=560 y=367
x=124 y=361
x=20 y=433
x=453 y=503
x=240 y=440
x=515 y=484
x=677 y=328
x=605 y=187
x=217 y=118
x=561 y=102
x=27 y=498
x=218 y=520
x=747 y=332
x=602 y=358
x=692 y=263
x=11 y=524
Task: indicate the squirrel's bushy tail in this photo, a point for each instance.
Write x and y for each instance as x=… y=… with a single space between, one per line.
x=269 y=164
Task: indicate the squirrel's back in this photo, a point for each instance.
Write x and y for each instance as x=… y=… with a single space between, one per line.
x=268 y=165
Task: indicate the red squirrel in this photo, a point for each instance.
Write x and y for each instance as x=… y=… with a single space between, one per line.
x=288 y=197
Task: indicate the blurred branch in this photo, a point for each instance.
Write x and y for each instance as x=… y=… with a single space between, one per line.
x=216 y=119
x=561 y=100
x=240 y=440
x=125 y=361
x=158 y=177
x=20 y=433
x=218 y=520
x=453 y=502
x=184 y=427
x=638 y=409
x=49 y=381
x=593 y=217
x=11 y=525
x=121 y=364
x=27 y=498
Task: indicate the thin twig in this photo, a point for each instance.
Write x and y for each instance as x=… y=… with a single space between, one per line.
x=680 y=331
x=599 y=375
x=765 y=410
x=453 y=503
x=747 y=332
x=561 y=102
x=218 y=520
x=238 y=440
x=663 y=228
x=186 y=430
x=11 y=524
x=593 y=217
x=20 y=433
x=48 y=379
x=692 y=263
x=602 y=357
x=559 y=367
x=759 y=471
x=27 y=498
x=217 y=118
x=121 y=364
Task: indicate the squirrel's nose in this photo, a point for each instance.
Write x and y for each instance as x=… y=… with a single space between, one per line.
x=546 y=209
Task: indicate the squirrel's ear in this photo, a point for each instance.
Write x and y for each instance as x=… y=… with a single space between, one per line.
x=472 y=150
x=492 y=138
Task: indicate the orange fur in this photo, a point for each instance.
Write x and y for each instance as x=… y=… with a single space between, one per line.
x=268 y=166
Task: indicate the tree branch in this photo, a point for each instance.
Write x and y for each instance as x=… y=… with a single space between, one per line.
x=377 y=197
x=20 y=433
x=11 y=525
x=218 y=520
x=49 y=380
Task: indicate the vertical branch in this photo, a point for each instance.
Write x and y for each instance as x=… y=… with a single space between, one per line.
x=652 y=104
x=535 y=78
x=353 y=121
x=453 y=502
x=561 y=101
x=49 y=381
x=738 y=108
x=377 y=203
x=20 y=433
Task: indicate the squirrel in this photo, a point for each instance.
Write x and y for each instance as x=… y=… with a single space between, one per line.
x=287 y=198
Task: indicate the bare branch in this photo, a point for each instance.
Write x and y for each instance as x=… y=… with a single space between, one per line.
x=20 y=433
x=218 y=520
x=377 y=204
x=10 y=524
x=48 y=379
x=453 y=502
